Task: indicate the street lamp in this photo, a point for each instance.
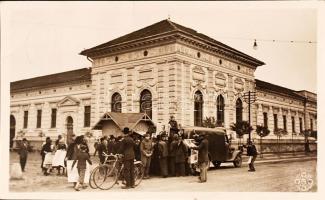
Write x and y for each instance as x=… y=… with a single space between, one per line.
x=249 y=98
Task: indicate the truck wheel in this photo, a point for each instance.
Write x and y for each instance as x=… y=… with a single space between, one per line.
x=216 y=164
x=238 y=161
x=193 y=171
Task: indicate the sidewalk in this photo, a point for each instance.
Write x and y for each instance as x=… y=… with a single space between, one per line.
x=282 y=157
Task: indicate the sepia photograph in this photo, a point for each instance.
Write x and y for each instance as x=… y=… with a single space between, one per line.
x=110 y=98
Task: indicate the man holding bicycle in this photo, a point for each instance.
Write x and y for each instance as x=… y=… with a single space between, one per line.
x=127 y=149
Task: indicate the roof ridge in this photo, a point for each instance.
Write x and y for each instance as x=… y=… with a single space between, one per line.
x=173 y=25
x=277 y=85
x=43 y=76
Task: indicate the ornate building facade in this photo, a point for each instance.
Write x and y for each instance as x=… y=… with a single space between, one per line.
x=164 y=69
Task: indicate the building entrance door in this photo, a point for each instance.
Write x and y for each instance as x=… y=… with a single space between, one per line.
x=12 y=130
x=69 y=129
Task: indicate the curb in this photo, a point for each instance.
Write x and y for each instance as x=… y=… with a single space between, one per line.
x=283 y=160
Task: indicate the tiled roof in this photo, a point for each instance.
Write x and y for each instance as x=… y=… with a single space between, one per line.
x=262 y=85
x=123 y=120
x=83 y=74
x=165 y=27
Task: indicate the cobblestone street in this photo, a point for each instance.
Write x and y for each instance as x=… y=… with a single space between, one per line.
x=269 y=177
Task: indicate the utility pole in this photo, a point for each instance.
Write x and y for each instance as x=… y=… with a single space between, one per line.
x=250 y=98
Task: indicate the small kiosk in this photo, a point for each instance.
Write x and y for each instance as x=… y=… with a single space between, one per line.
x=112 y=123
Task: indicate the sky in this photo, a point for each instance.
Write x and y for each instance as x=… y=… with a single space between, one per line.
x=41 y=38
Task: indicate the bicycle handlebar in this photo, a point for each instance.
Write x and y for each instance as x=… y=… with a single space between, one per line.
x=112 y=155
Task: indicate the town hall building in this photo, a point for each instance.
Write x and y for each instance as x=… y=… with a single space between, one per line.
x=162 y=70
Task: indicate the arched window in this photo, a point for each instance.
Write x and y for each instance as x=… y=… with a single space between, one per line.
x=220 y=110
x=198 y=108
x=146 y=102
x=116 y=105
x=239 y=110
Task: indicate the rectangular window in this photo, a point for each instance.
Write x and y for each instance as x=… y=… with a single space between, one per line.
x=265 y=119
x=39 y=119
x=293 y=124
x=275 y=117
x=285 y=122
x=87 y=116
x=53 y=118
x=300 y=124
x=311 y=125
x=25 y=119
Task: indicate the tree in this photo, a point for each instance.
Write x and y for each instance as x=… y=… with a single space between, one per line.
x=209 y=122
x=306 y=133
x=241 y=128
x=262 y=131
x=313 y=134
x=279 y=132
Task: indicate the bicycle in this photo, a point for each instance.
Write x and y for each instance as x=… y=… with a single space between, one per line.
x=102 y=168
x=105 y=176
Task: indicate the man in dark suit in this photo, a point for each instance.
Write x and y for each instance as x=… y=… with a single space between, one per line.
x=23 y=152
x=102 y=148
x=252 y=152
x=203 y=157
x=127 y=149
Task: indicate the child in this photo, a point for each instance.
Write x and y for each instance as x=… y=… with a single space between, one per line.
x=82 y=156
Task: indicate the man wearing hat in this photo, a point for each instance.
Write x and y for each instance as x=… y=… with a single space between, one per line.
x=203 y=158
x=127 y=149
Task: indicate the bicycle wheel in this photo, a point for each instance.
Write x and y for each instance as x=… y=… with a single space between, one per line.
x=91 y=179
x=138 y=173
x=105 y=177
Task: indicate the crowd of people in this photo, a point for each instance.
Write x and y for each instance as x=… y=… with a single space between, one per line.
x=164 y=154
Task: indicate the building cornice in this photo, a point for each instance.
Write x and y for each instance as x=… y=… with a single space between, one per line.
x=174 y=36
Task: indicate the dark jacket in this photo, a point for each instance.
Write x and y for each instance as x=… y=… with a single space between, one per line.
x=110 y=147
x=117 y=147
x=172 y=148
x=251 y=150
x=163 y=149
x=102 y=148
x=46 y=148
x=23 y=150
x=203 y=151
x=82 y=157
x=70 y=151
x=180 y=152
x=127 y=148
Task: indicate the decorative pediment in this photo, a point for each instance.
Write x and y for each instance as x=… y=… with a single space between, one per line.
x=220 y=76
x=220 y=80
x=198 y=69
x=198 y=74
x=68 y=101
x=239 y=84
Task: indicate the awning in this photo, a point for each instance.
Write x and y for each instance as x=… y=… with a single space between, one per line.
x=123 y=120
